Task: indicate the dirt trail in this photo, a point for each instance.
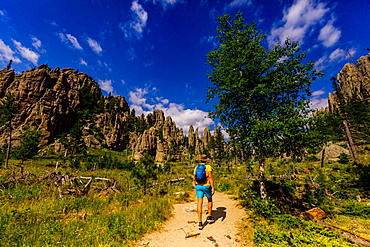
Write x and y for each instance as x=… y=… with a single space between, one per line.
x=223 y=232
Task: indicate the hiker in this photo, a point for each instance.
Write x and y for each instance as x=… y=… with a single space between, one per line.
x=204 y=186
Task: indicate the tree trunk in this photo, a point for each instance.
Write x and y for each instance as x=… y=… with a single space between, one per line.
x=9 y=145
x=351 y=145
x=322 y=157
x=261 y=178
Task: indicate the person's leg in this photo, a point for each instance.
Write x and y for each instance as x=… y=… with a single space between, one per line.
x=210 y=205
x=199 y=208
x=200 y=194
x=208 y=193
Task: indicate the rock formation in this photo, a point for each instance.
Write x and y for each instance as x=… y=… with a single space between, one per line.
x=352 y=79
x=53 y=101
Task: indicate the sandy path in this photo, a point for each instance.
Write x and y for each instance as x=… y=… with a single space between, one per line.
x=184 y=221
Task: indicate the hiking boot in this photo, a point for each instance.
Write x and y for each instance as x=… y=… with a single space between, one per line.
x=200 y=226
x=210 y=219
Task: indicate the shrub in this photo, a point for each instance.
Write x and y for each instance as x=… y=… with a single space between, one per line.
x=344 y=158
x=312 y=158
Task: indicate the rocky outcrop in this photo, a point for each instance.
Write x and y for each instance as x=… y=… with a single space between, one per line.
x=352 y=80
x=163 y=139
x=54 y=100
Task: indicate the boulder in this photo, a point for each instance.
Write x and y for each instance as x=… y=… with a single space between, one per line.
x=314 y=214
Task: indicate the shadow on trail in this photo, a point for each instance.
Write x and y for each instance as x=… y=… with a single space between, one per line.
x=219 y=213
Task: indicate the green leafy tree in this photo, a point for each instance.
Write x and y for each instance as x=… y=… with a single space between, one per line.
x=8 y=111
x=262 y=93
x=30 y=138
x=145 y=171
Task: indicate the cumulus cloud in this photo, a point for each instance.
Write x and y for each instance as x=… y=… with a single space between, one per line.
x=26 y=53
x=7 y=54
x=299 y=19
x=106 y=85
x=142 y=103
x=136 y=26
x=317 y=102
x=329 y=35
x=70 y=41
x=94 y=45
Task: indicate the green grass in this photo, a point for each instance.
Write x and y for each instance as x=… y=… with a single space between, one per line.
x=33 y=213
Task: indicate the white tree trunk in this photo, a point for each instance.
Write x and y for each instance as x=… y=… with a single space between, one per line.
x=261 y=179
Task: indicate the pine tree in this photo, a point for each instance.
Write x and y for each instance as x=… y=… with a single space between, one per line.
x=8 y=111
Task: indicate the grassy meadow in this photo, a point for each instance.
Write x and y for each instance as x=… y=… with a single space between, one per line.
x=40 y=205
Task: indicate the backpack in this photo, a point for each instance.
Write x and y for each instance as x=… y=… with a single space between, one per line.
x=200 y=174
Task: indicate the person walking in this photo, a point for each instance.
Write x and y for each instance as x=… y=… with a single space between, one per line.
x=204 y=186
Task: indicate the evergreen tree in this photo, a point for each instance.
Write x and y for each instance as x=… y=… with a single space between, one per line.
x=145 y=171
x=8 y=111
x=30 y=138
x=74 y=143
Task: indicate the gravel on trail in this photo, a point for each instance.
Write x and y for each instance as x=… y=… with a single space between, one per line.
x=181 y=230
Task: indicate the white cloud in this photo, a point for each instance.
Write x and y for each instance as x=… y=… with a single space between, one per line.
x=299 y=19
x=70 y=41
x=209 y=40
x=7 y=54
x=137 y=25
x=83 y=62
x=167 y=3
x=27 y=53
x=106 y=85
x=182 y=117
x=329 y=35
x=238 y=4
x=317 y=102
x=94 y=45
x=53 y=23
x=4 y=16
x=318 y=93
x=37 y=44
x=336 y=56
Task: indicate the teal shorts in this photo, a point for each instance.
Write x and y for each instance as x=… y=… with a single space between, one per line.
x=202 y=190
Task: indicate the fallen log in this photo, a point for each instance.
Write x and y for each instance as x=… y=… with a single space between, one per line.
x=176 y=180
x=102 y=179
x=350 y=237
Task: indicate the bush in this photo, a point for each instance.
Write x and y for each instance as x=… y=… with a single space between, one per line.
x=344 y=158
x=355 y=208
x=312 y=158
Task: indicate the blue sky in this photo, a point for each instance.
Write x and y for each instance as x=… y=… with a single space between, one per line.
x=153 y=52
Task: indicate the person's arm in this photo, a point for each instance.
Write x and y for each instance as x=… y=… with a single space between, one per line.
x=211 y=181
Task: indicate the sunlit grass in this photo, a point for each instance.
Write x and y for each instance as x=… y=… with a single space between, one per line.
x=34 y=213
